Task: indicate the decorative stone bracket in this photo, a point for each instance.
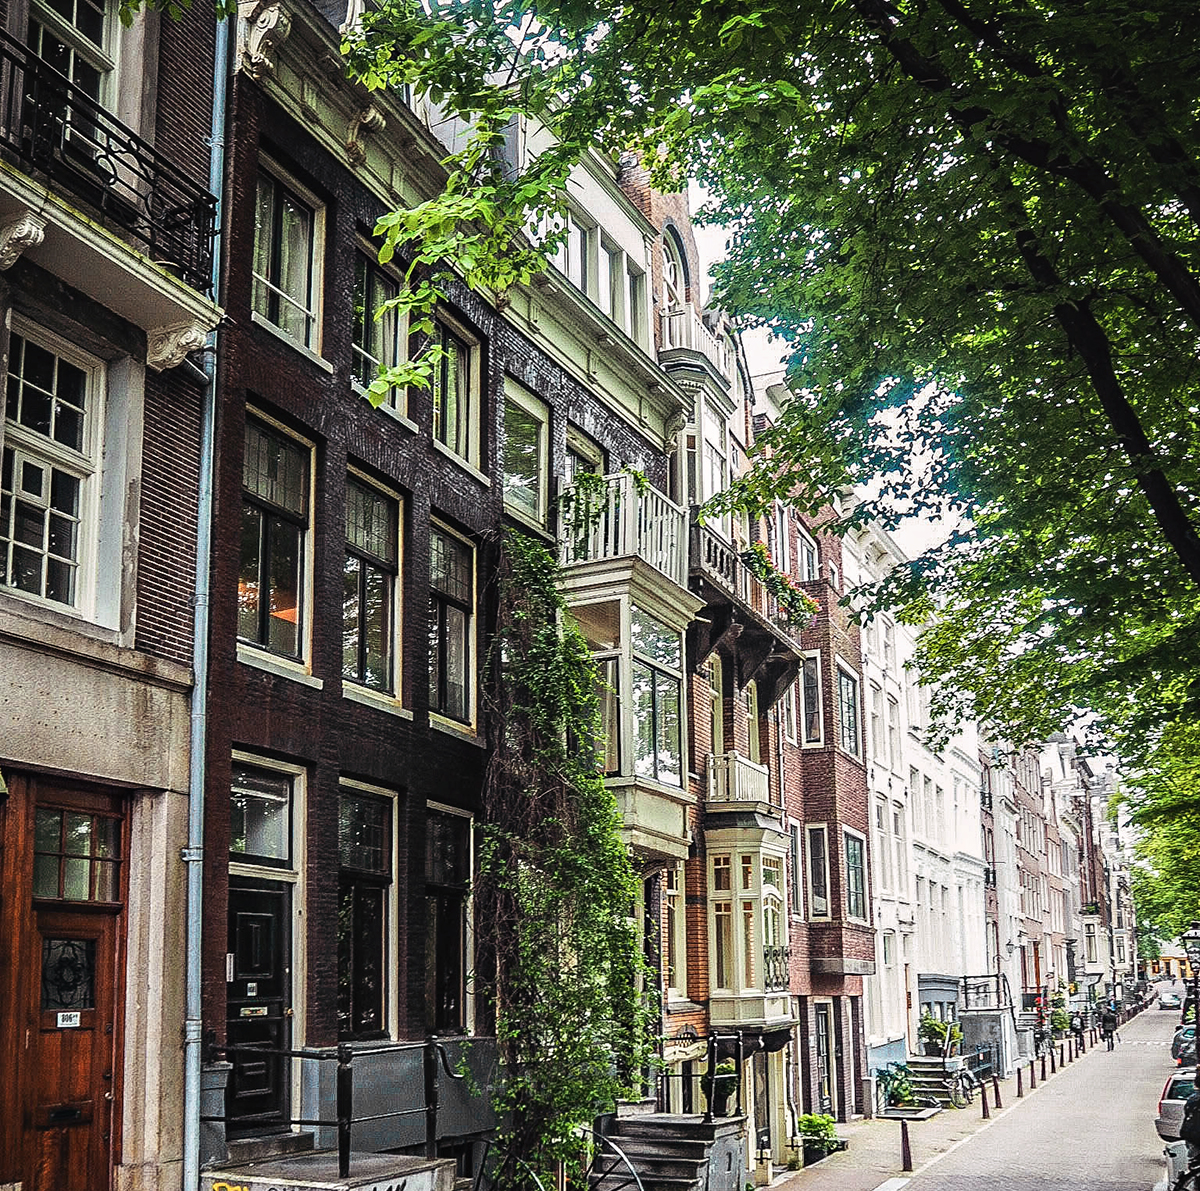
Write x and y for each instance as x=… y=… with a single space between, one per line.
x=23 y=231
x=263 y=26
x=369 y=120
x=166 y=347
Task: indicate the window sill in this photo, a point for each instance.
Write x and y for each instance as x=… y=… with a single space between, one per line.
x=377 y=699
x=280 y=667
x=467 y=466
x=307 y=352
x=453 y=728
x=358 y=389
x=525 y=521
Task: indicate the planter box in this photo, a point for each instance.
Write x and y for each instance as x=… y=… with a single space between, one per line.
x=822 y=1150
x=922 y=1112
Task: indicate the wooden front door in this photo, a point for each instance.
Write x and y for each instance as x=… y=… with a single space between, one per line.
x=259 y=1007
x=70 y=1114
x=824 y=1058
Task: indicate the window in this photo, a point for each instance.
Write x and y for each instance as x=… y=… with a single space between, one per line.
x=876 y=723
x=889 y=948
x=797 y=897
x=674 y=291
x=451 y=620
x=526 y=453
x=657 y=681
x=884 y=848
x=48 y=479
x=364 y=882
x=893 y=731
x=818 y=873
x=75 y=37
x=287 y=259
x=783 y=540
x=717 y=703
x=723 y=944
x=789 y=713
x=806 y=558
x=848 y=712
x=750 y=699
x=676 y=957
x=369 y=586
x=889 y=647
x=260 y=826
x=609 y=277
x=810 y=690
x=572 y=256
x=76 y=856
x=447 y=880
x=856 y=875
x=600 y=626
x=634 y=312
x=380 y=339
x=456 y=391
x=275 y=502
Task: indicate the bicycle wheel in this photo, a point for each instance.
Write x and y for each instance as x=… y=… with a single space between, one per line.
x=958 y=1095
x=970 y=1083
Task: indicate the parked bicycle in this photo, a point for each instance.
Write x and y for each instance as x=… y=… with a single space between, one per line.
x=961 y=1085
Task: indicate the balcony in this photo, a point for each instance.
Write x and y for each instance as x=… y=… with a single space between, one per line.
x=683 y=330
x=49 y=127
x=733 y=778
x=620 y=518
x=776 y=960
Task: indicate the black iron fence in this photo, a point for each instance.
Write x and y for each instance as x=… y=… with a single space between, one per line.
x=51 y=127
x=436 y=1064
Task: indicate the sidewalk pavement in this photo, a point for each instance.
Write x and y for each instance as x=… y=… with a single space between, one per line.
x=874 y=1153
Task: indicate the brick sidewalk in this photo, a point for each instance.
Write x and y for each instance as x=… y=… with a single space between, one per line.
x=874 y=1154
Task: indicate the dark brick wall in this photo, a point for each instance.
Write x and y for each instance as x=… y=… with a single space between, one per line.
x=183 y=116
x=319 y=729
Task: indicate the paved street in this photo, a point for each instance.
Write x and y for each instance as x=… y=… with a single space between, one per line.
x=1088 y=1128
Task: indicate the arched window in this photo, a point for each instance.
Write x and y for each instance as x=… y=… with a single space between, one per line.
x=674 y=291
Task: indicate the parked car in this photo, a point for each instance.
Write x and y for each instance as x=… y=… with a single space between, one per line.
x=1169 y=1000
x=1184 y=1036
x=1170 y=1104
x=1175 y=1162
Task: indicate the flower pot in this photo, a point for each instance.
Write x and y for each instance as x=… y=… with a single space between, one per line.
x=934 y=1049
x=723 y=1088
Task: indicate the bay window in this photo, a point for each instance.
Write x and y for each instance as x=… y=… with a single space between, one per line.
x=657 y=685
x=856 y=875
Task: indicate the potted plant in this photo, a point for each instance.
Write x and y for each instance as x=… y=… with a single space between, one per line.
x=818 y=1136
x=1060 y=1022
x=895 y=1082
x=721 y=1087
x=932 y=1031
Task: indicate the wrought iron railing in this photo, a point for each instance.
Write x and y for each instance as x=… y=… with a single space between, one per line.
x=776 y=977
x=53 y=128
x=989 y=991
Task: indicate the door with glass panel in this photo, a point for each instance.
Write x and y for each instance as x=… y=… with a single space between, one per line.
x=824 y=1023
x=72 y=1027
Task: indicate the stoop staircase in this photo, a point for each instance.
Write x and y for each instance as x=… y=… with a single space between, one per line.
x=671 y=1153
x=929 y=1078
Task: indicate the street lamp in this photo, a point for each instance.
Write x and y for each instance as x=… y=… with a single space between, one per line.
x=1191 y=947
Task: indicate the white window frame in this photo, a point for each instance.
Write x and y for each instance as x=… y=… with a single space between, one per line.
x=316 y=254
x=437 y=718
x=813 y=914
x=94 y=472
x=293 y=876
x=716 y=680
x=848 y=833
x=791 y=713
x=102 y=57
x=798 y=870
x=805 y=742
x=675 y=909
x=877 y=729
x=727 y=899
x=894 y=730
x=843 y=671
x=396 y=400
x=474 y=395
x=391 y=925
x=523 y=399
x=350 y=688
x=251 y=652
x=753 y=726
x=674 y=674
x=808 y=564
x=469 y=909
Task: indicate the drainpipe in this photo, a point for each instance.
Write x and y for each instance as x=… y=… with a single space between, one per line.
x=193 y=853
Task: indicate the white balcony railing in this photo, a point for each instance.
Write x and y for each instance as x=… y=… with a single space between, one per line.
x=618 y=520
x=683 y=327
x=732 y=778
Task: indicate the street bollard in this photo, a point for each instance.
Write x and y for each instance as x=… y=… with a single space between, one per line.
x=906 y=1162
x=1020 y=1086
x=1032 y=1076
x=996 y=1091
x=1061 y=1052
x=1043 y=1066
x=987 y=1114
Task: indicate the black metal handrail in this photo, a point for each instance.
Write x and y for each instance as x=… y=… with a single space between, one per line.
x=52 y=127
x=434 y=1051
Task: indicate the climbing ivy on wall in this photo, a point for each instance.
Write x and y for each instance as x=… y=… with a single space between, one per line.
x=555 y=889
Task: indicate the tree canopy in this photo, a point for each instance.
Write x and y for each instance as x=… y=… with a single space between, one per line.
x=974 y=223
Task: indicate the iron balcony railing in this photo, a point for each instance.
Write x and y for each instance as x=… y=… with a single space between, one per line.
x=733 y=778
x=988 y=991
x=50 y=127
x=618 y=517
x=775 y=968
